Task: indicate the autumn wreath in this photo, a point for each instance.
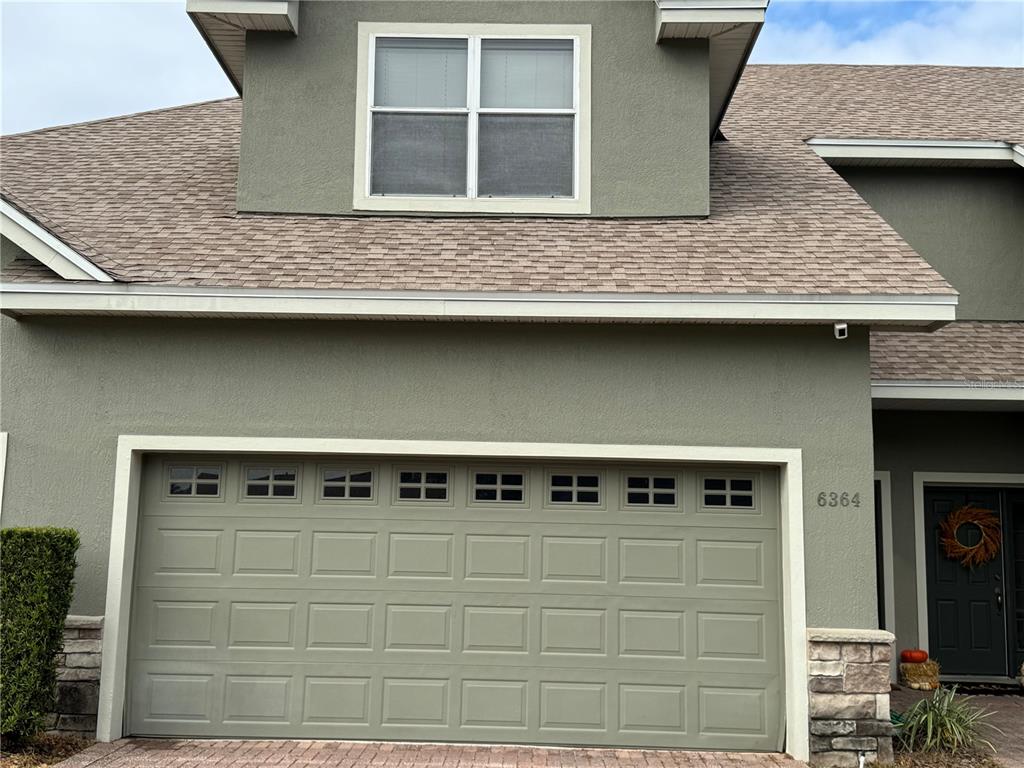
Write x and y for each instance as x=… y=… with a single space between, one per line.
x=987 y=524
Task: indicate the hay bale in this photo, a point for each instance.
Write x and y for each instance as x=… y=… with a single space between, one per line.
x=922 y=677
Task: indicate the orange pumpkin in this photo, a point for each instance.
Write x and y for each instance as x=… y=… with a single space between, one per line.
x=913 y=656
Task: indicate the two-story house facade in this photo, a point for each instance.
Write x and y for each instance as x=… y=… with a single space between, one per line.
x=517 y=372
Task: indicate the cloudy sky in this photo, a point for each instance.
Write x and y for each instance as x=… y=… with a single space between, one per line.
x=65 y=62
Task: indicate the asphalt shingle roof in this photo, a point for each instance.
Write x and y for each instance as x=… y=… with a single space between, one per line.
x=151 y=198
x=961 y=351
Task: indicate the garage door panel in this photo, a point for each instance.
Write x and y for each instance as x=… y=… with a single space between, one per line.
x=482 y=628
x=558 y=705
x=379 y=616
x=673 y=561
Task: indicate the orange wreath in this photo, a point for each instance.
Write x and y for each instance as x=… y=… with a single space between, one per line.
x=991 y=536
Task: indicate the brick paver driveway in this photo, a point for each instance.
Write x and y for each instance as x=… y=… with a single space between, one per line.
x=195 y=753
x=1007 y=716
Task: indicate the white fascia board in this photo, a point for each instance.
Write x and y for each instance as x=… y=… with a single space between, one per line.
x=918 y=150
x=948 y=390
x=287 y=11
x=130 y=299
x=49 y=250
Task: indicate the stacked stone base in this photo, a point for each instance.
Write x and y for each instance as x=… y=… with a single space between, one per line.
x=849 y=697
x=78 y=677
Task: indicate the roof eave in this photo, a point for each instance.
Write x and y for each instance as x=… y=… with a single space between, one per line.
x=916 y=312
x=907 y=394
x=46 y=248
x=223 y=24
x=927 y=152
x=731 y=28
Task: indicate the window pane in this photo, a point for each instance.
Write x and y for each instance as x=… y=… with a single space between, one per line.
x=257 y=490
x=360 y=492
x=409 y=477
x=258 y=474
x=526 y=156
x=362 y=477
x=525 y=74
x=334 y=492
x=207 y=489
x=181 y=473
x=511 y=494
x=486 y=494
x=742 y=485
x=287 y=491
x=418 y=155
x=181 y=489
x=586 y=497
x=420 y=72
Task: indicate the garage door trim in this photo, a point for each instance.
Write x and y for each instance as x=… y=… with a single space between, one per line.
x=124 y=525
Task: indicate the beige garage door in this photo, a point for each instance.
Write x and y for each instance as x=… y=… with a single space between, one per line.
x=466 y=601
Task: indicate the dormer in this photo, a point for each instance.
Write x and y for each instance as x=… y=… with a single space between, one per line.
x=503 y=107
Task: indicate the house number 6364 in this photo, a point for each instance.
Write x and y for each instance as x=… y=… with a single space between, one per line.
x=838 y=499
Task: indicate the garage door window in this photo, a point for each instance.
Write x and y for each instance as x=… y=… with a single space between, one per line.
x=422 y=485
x=583 y=488
x=503 y=487
x=185 y=481
x=730 y=492
x=342 y=483
x=650 y=491
x=271 y=483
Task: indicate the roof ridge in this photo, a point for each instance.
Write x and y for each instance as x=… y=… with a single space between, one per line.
x=116 y=118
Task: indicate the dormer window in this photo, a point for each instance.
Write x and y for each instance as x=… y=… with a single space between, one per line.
x=460 y=118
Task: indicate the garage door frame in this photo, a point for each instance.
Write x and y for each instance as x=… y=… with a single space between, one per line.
x=124 y=527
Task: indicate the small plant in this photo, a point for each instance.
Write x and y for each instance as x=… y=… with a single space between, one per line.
x=37 y=568
x=943 y=723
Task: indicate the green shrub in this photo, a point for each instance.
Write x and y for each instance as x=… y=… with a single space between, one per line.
x=37 y=569
x=944 y=723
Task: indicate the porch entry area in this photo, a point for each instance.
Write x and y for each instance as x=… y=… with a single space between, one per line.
x=975 y=613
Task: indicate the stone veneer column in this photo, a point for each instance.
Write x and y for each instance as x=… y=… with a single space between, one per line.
x=849 y=696
x=78 y=676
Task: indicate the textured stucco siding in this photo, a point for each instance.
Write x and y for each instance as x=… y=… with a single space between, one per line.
x=968 y=224
x=649 y=102
x=921 y=441
x=72 y=385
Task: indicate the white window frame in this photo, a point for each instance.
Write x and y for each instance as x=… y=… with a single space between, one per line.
x=474 y=33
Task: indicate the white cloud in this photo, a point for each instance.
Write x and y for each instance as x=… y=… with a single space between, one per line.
x=953 y=33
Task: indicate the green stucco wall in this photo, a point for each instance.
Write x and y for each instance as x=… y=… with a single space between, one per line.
x=919 y=441
x=70 y=386
x=649 y=105
x=968 y=224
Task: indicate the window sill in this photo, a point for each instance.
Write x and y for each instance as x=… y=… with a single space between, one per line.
x=531 y=206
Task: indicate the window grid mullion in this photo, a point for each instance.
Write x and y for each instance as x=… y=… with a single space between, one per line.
x=473 y=126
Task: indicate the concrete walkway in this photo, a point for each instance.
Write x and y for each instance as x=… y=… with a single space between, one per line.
x=1007 y=716
x=195 y=753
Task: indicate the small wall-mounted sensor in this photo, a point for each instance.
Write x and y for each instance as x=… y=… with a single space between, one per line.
x=841 y=330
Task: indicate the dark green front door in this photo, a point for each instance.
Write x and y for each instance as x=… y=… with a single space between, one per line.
x=968 y=625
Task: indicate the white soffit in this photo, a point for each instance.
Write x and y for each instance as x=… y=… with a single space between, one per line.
x=43 y=246
x=223 y=24
x=730 y=26
x=920 y=311
x=993 y=154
